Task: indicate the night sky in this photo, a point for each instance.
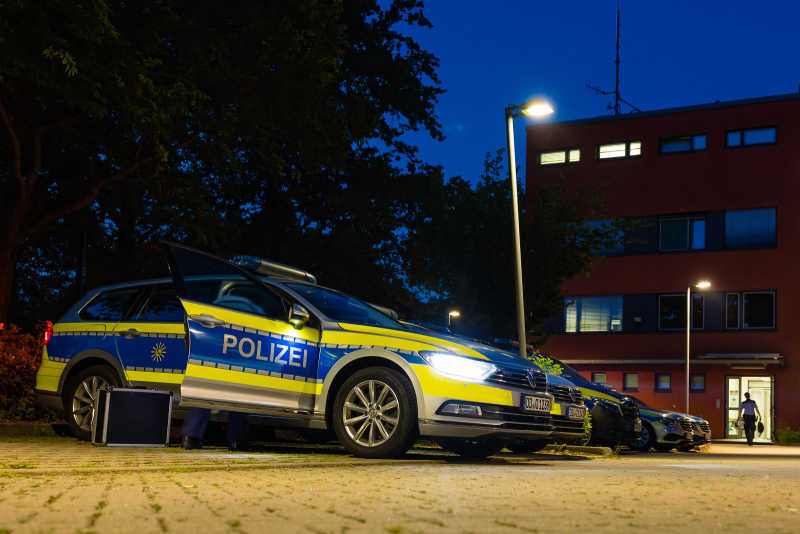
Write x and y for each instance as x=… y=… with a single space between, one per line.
x=495 y=53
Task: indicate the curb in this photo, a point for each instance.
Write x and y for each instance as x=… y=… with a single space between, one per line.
x=580 y=449
x=9 y=430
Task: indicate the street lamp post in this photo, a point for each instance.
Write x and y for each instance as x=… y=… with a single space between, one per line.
x=534 y=108
x=450 y=315
x=703 y=284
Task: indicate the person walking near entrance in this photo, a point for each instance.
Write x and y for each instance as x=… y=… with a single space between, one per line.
x=750 y=409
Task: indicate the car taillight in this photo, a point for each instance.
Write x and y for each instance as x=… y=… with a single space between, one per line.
x=48 y=332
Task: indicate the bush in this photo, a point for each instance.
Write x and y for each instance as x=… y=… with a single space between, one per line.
x=20 y=357
x=787 y=435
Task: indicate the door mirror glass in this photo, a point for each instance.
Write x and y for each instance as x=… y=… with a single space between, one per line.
x=298 y=316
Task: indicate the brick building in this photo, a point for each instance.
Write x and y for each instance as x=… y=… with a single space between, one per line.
x=716 y=189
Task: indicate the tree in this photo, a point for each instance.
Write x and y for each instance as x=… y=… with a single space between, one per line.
x=188 y=119
x=462 y=252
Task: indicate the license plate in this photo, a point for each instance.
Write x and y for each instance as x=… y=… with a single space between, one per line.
x=536 y=404
x=576 y=412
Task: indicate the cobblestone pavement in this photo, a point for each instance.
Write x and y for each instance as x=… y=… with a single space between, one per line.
x=60 y=485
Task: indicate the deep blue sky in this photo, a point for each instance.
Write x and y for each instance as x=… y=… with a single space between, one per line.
x=495 y=53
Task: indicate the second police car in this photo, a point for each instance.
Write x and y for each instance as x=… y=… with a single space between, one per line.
x=265 y=339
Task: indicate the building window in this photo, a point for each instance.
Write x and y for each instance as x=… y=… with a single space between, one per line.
x=687 y=143
x=572 y=155
x=732 y=309
x=752 y=136
x=629 y=149
x=758 y=310
x=599 y=378
x=682 y=233
x=615 y=243
x=593 y=314
x=663 y=382
x=750 y=228
x=697 y=383
x=672 y=312
x=630 y=382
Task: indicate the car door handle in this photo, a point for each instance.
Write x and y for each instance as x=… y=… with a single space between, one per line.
x=206 y=320
x=130 y=332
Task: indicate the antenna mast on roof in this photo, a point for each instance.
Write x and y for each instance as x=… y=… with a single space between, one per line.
x=617 y=96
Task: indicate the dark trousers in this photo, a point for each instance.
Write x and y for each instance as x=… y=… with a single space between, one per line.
x=196 y=422
x=749 y=427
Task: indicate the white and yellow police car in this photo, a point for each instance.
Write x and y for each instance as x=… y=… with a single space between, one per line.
x=262 y=338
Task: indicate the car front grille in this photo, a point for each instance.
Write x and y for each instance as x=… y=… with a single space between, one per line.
x=518 y=378
x=686 y=424
x=516 y=419
x=702 y=427
x=565 y=425
x=562 y=394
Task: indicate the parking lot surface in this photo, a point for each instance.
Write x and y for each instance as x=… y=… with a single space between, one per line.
x=61 y=485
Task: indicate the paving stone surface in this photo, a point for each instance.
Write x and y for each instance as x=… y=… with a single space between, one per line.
x=60 y=485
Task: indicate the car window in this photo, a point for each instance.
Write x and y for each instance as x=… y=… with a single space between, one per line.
x=162 y=306
x=110 y=305
x=343 y=308
x=248 y=296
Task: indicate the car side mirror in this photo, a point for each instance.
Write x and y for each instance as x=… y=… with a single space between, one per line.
x=298 y=316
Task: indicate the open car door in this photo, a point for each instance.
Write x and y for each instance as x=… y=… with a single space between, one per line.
x=244 y=354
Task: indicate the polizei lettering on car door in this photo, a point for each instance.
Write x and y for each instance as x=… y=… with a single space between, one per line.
x=269 y=351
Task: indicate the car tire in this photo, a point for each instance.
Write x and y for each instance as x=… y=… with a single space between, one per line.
x=472 y=448
x=686 y=448
x=663 y=447
x=78 y=397
x=645 y=440
x=528 y=446
x=375 y=413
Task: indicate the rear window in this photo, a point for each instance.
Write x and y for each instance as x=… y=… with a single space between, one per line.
x=110 y=305
x=162 y=306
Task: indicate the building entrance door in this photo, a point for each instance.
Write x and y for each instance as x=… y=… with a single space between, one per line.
x=761 y=390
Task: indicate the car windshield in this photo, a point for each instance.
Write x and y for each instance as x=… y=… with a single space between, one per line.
x=343 y=308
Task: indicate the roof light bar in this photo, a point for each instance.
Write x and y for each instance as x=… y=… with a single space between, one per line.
x=272 y=268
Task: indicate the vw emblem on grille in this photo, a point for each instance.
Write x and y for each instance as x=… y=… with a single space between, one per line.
x=532 y=378
x=573 y=394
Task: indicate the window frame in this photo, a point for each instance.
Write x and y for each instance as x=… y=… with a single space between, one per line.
x=605 y=378
x=738 y=311
x=774 y=309
x=657 y=389
x=578 y=315
x=741 y=132
x=627 y=144
x=682 y=328
x=690 y=219
x=691 y=137
x=567 y=160
x=625 y=385
x=692 y=389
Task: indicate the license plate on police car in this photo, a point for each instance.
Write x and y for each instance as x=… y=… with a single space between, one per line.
x=576 y=412
x=536 y=404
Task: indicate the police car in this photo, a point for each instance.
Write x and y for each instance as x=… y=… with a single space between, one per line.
x=262 y=338
x=664 y=430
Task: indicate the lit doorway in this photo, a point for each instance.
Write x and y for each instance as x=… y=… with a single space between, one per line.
x=761 y=390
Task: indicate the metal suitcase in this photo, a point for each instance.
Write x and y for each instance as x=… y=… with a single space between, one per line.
x=126 y=417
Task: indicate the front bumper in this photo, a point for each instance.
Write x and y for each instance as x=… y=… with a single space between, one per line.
x=672 y=435
x=568 y=427
x=495 y=421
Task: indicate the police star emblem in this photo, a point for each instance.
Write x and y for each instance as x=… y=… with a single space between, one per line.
x=158 y=352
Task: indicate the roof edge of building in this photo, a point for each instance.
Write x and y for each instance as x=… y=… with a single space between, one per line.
x=667 y=111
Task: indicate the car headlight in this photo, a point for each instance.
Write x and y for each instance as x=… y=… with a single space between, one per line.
x=458 y=366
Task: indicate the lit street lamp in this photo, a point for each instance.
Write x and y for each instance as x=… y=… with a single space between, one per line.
x=451 y=314
x=702 y=284
x=536 y=108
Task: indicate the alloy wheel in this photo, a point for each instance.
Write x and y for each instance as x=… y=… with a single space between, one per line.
x=371 y=413
x=83 y=401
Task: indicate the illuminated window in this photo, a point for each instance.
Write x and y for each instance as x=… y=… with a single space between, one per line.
x=599 y=378
x=555 y=157
x=687 y=143
x=752 y=136
x=663 y=382
x=593 y=314
x=628 y=149
x=682 y=233
x=630 y=382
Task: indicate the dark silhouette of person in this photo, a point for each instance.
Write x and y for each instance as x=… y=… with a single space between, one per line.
x=196 y=422
x=750 y=409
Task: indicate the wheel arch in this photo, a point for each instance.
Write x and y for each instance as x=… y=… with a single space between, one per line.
x=86 y=359
x=361 y=359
